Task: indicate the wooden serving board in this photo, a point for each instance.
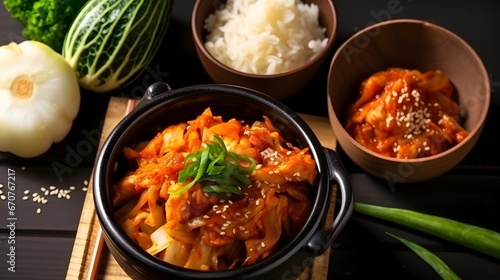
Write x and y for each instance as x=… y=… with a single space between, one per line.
x=83 y=262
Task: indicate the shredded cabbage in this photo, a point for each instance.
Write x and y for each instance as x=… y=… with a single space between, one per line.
x=197 y=228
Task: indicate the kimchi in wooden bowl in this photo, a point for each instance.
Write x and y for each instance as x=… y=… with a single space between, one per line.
x=217 y=182
x=407 y=99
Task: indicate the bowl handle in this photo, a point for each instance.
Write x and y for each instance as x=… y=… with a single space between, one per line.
x=152 y=91
x=323 y=239
x=155 y=89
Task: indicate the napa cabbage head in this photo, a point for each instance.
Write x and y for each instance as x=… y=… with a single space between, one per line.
x=112 y=42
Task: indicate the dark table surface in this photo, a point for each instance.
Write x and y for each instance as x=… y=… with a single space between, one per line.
x=469 y=193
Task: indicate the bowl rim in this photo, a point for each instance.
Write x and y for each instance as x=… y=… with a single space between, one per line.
x=199 y=42
x=475 y=131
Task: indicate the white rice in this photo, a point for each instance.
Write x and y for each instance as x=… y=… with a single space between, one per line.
x=265 y=37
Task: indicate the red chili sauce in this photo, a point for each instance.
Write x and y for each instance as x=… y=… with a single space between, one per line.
x=407 y=114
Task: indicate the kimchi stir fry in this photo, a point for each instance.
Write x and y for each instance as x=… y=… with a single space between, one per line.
x=210 y=194
x=406 y=114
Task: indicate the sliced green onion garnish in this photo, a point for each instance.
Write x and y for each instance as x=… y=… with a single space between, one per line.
x=220 y=171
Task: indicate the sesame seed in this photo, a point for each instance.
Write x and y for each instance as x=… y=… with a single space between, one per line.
x=38 y=211
x=206 y=217
x=26 y=191
x=257 y=202
x=223 y=216
x=400 y=99
x=3 y=197
x=262 y=244
x=222 y=233
x=25 y=197
x=387 y=99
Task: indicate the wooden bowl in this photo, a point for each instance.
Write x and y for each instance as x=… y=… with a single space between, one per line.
x=411 y=44
x=278 y=86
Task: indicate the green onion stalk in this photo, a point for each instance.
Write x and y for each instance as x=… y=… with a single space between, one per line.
x=476 y=238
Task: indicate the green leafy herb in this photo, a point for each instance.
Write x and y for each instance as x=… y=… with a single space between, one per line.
x=221 y=172
x=434 y=261
x=46 y=21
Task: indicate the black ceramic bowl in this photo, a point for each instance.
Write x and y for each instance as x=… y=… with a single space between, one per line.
x=161 y=107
